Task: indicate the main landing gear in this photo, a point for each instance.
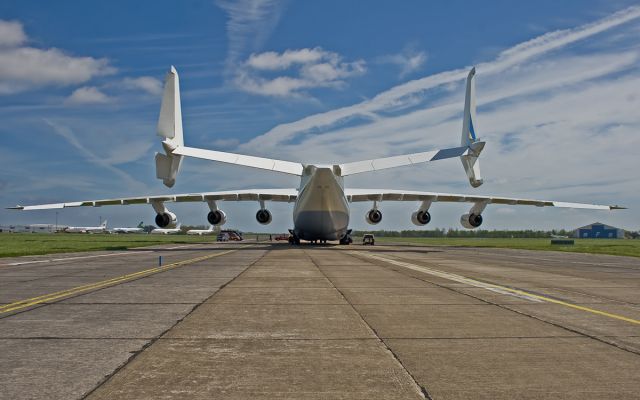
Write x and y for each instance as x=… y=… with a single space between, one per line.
x=346 y=240
x=293 y=239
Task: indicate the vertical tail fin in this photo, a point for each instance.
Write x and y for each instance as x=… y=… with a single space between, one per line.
x=468 y=131
x=170 y=128
x=141 y=224
x=469 y=139
x=170 y=120
x=104 y=224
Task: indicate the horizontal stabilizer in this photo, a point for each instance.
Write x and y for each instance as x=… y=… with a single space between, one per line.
x=287 y=167
x=399 y=161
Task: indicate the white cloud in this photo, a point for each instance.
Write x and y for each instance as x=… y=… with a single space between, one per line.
x=24 y=68
x=271 y=60
x=408 y=60
x=225 y=143
x=87 y=95
x=306 y=68
x=148 y=84
x=560 y=124
x=105 y=162
x=404 y=94
x=249 y=24
x=11 y=33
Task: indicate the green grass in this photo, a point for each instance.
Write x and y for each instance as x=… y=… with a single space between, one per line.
x=618 y=247
x=24 y=244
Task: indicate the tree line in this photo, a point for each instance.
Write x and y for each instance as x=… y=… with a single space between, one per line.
x=464 y=233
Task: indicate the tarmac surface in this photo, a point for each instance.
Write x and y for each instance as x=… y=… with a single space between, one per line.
x=270 y=321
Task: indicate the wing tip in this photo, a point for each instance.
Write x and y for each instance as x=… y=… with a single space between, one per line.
x=617 y=207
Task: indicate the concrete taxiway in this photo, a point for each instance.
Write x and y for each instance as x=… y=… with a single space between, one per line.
x=270 y=321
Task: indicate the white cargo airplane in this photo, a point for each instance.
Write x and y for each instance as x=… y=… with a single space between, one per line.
x=87 y=229
x=167 y=231
x=321 y=201
x=137 y=229
x=201 y=232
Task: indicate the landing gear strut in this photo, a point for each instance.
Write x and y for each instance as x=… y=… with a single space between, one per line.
x=346 y=239
x=294 y=240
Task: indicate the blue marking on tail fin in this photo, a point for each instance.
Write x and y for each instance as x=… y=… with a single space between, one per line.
x=472 y=132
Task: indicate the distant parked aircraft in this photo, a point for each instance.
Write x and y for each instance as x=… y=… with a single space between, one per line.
x=137 y=229
x=87 y=229
x=167 y=231
x=321 y=201
x=201 y=232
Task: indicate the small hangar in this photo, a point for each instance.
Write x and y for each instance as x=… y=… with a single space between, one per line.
x=598 y=230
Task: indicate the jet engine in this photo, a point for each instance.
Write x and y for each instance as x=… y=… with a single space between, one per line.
x=263 y=216
x=421 y=218
x=217 y=217
x=166 y=219
x=471 y=221
x=373 y=216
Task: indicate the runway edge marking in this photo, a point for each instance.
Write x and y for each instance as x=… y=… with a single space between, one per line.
x=124 y=253
x=18 y=305
x=495 y=288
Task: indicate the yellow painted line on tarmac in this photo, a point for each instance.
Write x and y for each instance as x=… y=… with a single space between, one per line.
x=496 y=288
x=18 y=305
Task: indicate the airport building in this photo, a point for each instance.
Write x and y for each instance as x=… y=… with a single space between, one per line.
x=34 y=228
x=598 y=230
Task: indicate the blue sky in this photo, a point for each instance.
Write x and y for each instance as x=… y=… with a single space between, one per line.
x=558 y=94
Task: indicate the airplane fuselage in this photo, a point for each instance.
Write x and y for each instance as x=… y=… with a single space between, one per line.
x=321 y=210
x=85 y=229
x=170 y=231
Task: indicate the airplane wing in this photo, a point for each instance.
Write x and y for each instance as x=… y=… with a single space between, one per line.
x=280 y=195
x=359 y=195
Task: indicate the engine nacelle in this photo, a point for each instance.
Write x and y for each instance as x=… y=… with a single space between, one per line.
x=166 y=219
x=217 y=217
x=373 y=217
x=421 y=218
x=264 y=217
x=471 y=221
